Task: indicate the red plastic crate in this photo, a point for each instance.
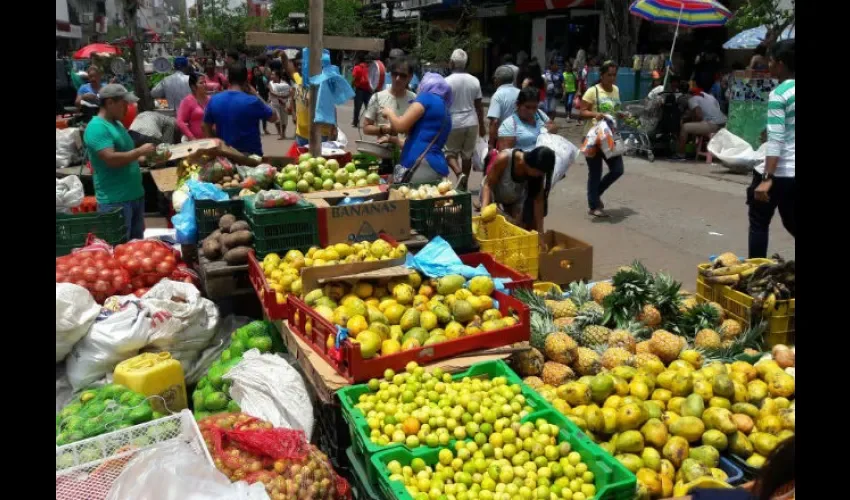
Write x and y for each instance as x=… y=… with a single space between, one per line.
x=306 y=323
x=498 y=270
x=264 y=292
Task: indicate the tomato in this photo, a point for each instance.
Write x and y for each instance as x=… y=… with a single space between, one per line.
x=148 y=246
x=165 y=268
x=138 y=282
x=159 y=254
x=133 y=265
x=119 y=282
x=90 y=274
x=62 y=268
x=61 y=277
x=170 y=258
x=138 y=254
x=82 y=283
x=152 y=279
x=101 y=286
x=100 y=264
x=99 y=297
x=104 y=274
x=112 y=264
x=140 y=292
x=148 y=265
x=122 y=260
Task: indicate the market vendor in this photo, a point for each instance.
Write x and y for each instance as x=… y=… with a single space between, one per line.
x=174 y=87
x=519 y=181
x=155 y=128
x=115 y=160
x=86 y=100
x=397 y=97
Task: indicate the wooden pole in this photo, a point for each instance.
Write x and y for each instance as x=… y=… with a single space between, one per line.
x=138 y=57
x=317 y=26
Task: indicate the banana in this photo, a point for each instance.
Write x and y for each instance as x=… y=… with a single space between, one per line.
x=681 y=489
x=727 y=271
x=730 y=280
x=769 y=305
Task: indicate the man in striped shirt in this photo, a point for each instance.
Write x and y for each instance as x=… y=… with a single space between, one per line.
x=774 y=185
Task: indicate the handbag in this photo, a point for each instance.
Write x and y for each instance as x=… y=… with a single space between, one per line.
x=619 y=144
x=403 y=175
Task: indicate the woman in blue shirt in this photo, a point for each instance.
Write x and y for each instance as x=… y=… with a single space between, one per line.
x=427 y=124
x=521 y=130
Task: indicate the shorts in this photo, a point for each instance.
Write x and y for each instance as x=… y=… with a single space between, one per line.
x=461 y=142
x=700 y=128
x=282 y=115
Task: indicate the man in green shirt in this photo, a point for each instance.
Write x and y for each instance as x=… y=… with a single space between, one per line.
x=114 y=160
x=569 y=89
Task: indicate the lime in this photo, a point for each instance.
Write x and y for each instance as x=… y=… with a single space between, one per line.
x=203 y=382
x=141 y=414
x=215 y=401
x=200 y=415
x=233 y=407
x=289 y=185
x=237 y=347
x=263 y=344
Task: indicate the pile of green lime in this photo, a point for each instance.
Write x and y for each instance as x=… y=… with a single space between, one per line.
x=212 y=394
x=100 y=410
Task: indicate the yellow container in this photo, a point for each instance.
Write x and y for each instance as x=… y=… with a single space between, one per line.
x=155 y=374
x=508 y=244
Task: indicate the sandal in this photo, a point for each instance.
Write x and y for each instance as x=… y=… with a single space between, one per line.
x=598 y=213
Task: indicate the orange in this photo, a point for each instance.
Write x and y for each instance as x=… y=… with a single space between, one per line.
x=410 y=426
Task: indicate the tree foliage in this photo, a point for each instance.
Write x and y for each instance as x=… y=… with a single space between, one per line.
x=224 y=27
x=621 y=30
x=437 y=44
x=755 y=13
x=342 y=17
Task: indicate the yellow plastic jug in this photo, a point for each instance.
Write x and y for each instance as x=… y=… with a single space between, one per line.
x=155 y=374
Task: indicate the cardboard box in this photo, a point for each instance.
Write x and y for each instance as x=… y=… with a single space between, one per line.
x=572 y=263
x=315 y=277
x=362 y=222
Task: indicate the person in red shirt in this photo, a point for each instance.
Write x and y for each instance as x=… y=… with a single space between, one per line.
x=362 y=88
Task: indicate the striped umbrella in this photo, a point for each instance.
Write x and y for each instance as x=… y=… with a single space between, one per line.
x=687 y=13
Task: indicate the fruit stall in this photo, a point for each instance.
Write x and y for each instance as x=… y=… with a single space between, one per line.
x=397 y=347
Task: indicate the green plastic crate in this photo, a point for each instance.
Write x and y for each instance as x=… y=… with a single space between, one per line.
x=613 y=481
x=208 y=212
x=363 y=489
x=282 y=229
x=449 y=217
x=359 y=428
x=73 y=229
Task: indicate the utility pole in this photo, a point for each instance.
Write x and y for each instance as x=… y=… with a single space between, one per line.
x=131 y=8
x=317 y=26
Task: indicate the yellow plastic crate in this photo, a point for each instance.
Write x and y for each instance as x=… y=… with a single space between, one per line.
x=780 y=324
x=508 y=244
x=707 y=291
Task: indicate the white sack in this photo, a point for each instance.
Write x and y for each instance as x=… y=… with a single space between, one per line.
x=76 y=311
x=565 y=154
x=734 y=152
x=69 y=193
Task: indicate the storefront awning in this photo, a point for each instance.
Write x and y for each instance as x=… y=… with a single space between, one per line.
x=524 y=6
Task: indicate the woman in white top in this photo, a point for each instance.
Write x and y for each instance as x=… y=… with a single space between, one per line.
x=280 y=90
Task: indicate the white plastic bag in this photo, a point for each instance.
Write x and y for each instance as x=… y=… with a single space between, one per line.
x=69 y=143
x=69 y=193
x=734 y=152
x=267 y=387
x=76 y=311
x=183 y=327
x=565 y=153
x=173 y=471
x=480 y=155
x=113 y=338
x=64 y=391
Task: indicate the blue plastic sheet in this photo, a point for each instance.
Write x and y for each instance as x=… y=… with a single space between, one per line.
x=438 y=259
x=185 y=225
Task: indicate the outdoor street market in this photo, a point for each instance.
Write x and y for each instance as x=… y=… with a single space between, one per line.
x=398 y=303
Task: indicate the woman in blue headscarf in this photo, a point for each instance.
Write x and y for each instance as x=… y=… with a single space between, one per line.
x=427 y=124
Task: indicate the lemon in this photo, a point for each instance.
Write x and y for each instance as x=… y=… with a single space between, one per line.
x=343 y=250
x=291 y=255
x=363 y=290
x=390 y=346
x=356 y=324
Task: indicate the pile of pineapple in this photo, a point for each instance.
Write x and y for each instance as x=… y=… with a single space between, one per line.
x=669 y=424
x=635 y=319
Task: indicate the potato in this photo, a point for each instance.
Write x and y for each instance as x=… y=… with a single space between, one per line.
x=240 y=238
x=240 y=225
x=214 y=235
x=227 y=178
x=211 y=248
x=237 y=256
x=225 y=222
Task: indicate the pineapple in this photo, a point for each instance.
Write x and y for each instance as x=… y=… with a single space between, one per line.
x=588 y=362
x=726 y=259
x=649 y=316
x=730 y=329
x=601 y=290
x=541 y=321
x=529 y=362
x=687 y=303
x=616 y=356
x=564 y=322
x=579 y=293
x=720 y=312
x=591 y=308
x=561 y=348
x=594 y=335
x=649 y=362
x=665 y=345
x=707 y=339
x=562 y=308
x=556 y=374
x=533 y=382
x=643 y=347
x=626 y=336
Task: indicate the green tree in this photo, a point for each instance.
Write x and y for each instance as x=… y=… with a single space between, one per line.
x=342 y=17
x=755 y=13
x=437 y=44
x=224 y=27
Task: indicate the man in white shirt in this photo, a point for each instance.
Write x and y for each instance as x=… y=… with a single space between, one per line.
x=703 y=118
x=175 y=86
x=395 y=97
x=467 y=116
x=502 y=102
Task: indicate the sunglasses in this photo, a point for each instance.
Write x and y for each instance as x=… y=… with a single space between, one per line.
x=396 y=74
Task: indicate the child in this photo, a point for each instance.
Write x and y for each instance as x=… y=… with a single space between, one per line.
x=569 y=87
x=554 y=87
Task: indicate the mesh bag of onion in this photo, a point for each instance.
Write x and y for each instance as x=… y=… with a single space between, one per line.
x=248 y=449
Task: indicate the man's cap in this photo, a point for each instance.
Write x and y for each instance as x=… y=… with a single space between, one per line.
x=180 y=62
x=116 y=91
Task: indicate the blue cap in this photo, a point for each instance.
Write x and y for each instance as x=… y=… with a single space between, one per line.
x=180 y=62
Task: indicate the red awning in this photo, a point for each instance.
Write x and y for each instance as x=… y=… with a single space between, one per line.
x=522 y=6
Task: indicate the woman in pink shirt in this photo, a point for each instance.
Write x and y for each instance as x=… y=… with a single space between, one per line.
x=190 y=114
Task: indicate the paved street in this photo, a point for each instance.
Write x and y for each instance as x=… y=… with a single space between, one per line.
x=669 y=215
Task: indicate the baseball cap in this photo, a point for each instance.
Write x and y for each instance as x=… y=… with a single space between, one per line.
x=180 y=62
x=116 y=91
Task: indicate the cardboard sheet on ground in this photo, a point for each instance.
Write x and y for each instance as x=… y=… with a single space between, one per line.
x=438 y=259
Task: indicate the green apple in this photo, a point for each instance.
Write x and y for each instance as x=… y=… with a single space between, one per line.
x=333 y=165
x=304 y=157
x=350 y=167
